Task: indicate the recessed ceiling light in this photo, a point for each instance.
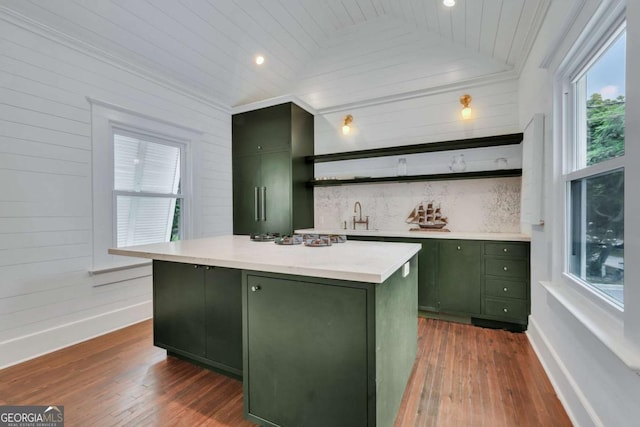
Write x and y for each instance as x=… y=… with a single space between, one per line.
x=449 y=3
x=259 y=59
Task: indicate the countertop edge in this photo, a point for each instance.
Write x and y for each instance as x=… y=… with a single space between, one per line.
x=503 y=237
x=307 y=271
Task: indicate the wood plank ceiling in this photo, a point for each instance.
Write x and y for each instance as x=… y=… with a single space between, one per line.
x=325 y=52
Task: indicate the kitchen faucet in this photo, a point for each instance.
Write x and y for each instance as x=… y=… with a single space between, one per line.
x=358 y=208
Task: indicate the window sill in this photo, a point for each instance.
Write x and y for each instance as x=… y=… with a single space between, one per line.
x=97 y=271
x=603 y=325
x=119 y=273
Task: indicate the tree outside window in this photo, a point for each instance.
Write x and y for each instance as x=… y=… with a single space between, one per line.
x=597 y=193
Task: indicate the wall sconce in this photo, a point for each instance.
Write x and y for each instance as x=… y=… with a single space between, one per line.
x=346 y=127
x=449 y=3
x=465 y=100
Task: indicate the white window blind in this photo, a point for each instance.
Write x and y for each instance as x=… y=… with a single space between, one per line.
x=147 y=173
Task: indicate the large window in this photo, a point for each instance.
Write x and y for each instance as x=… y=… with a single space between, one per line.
x=595 y=170
x=141 y=182
x=147 y=192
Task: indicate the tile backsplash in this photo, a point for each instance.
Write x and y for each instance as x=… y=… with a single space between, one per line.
x=487 y=205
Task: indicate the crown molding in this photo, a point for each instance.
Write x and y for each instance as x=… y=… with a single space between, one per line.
x=464 y=84
x=460 y=85
x=85 y=48
x=538 y=20
x=554 y=46
x=273 y=101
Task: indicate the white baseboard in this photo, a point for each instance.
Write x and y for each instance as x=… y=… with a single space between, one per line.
x=37 y=344
x=571 y=396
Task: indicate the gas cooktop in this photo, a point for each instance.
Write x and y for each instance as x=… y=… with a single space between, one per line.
x=264 y=237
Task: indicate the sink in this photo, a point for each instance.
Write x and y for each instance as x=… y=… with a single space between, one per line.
x=360 y=232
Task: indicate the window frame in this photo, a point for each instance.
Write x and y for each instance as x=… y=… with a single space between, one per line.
x=578 y=63
x=105 y=117
x=180 y=144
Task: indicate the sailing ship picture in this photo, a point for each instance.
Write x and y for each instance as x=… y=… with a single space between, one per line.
x=427 y=217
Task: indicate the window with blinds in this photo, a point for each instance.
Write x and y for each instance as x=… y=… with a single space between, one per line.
x=146 y=188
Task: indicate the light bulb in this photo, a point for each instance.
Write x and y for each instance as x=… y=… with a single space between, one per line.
x=346 y=124
x=449 y=3
x=466 y=113
x=259 y=59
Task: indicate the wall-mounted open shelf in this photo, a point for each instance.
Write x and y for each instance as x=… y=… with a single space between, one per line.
x=491 y=141
x=501 y=173
x=458 y=144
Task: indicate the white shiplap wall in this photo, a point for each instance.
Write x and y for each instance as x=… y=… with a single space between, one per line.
x=422 y=119
x=47 y=297
x=426 y=118
x=585 y=355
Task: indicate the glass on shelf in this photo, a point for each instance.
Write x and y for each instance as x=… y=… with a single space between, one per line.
x=402 y=167
x=501 y=163
x=458 y=164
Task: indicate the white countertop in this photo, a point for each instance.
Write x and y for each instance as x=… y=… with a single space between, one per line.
x=512 y=237
x=370 y=262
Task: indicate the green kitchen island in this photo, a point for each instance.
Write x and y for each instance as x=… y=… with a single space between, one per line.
x=321 y=336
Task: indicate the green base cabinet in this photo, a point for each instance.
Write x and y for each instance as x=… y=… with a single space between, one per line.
x=481 y=280
x=270 y=174
x=428 y=275
x=223 y=318
x=320 y=352
x=459 y=274
x=427 y=271
x=197 y=314
x=178 y=308
x=292 y=352
x=506 y=290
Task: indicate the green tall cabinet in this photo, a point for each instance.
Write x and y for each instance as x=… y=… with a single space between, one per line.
x=269 y=170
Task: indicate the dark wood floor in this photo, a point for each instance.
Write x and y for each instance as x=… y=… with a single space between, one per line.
x=463 y=376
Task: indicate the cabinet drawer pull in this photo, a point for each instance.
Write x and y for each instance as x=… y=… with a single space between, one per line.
x=505 y=268
x=195 y=266
x=459 y=248
x=255 y=288
x=505 y=310
x=208 y=267
x=505 y=250
x=259 y=147
x=506 y=289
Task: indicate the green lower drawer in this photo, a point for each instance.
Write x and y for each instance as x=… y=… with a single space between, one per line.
x=505 y=308
x=506 y=267
x=503 y=288
x=510 y=249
